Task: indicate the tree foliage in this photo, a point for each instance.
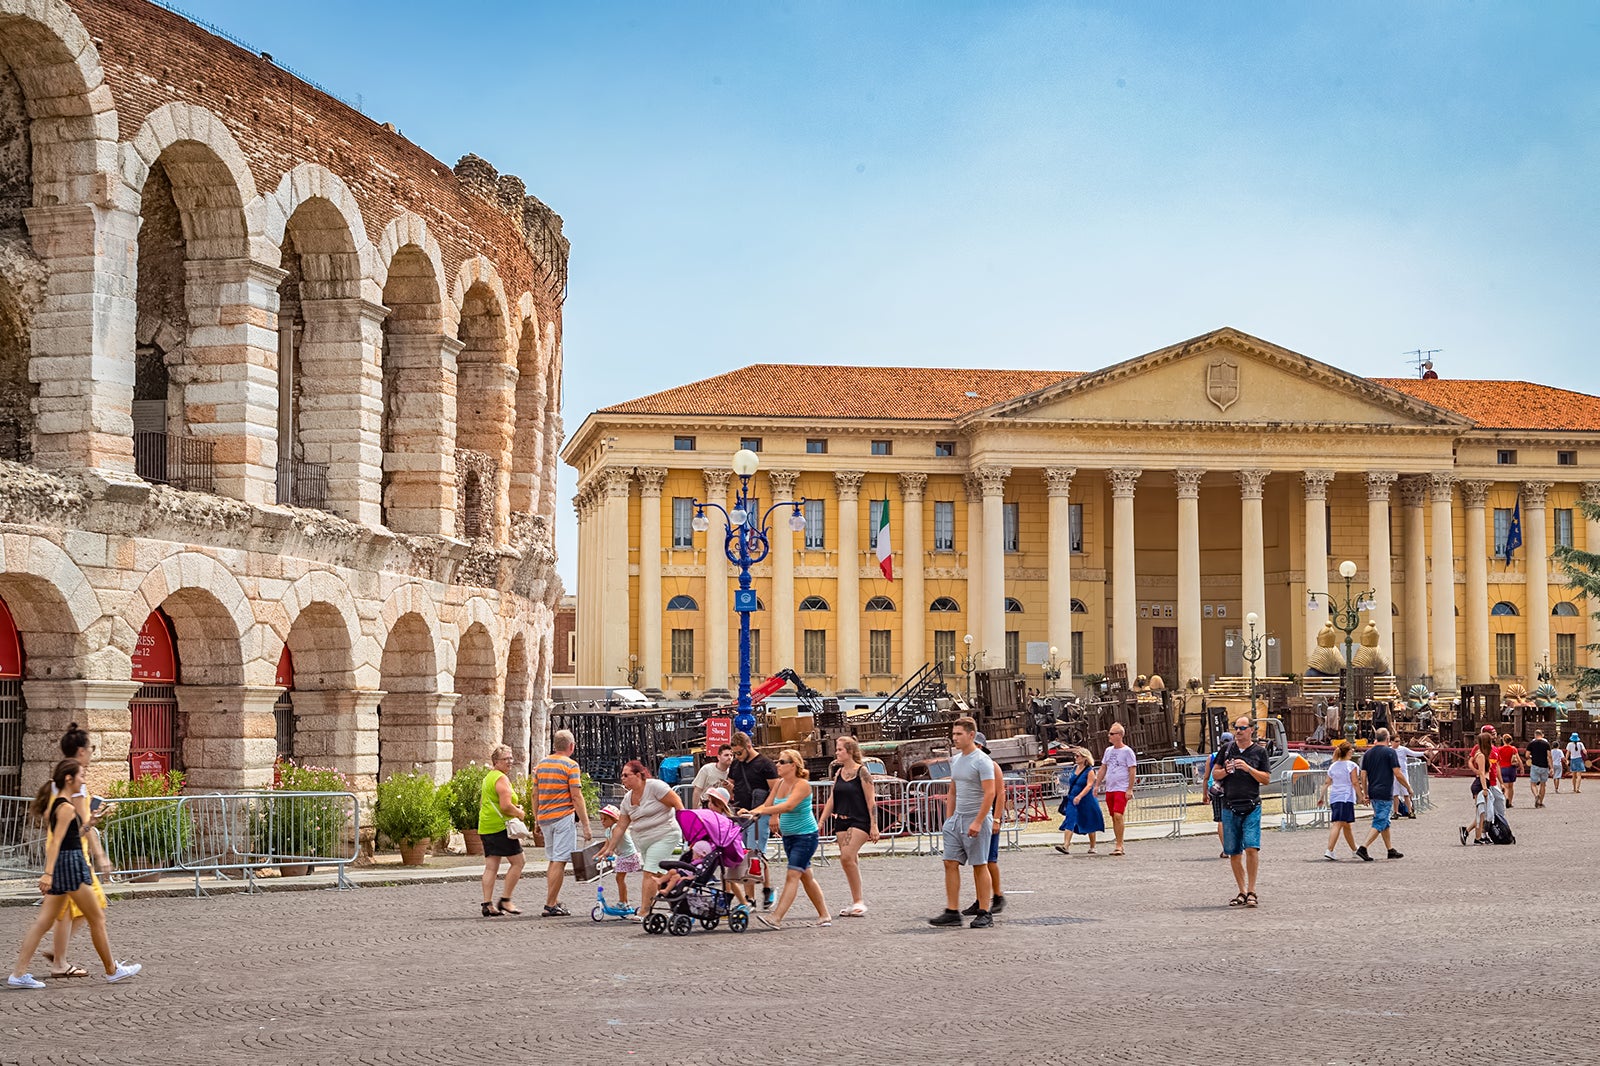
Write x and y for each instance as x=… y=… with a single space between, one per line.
x=1582 y=569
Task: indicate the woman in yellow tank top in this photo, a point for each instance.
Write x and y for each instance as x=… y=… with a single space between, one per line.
x=496 y=804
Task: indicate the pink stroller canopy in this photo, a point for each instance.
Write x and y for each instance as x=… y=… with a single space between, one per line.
x=718 y=830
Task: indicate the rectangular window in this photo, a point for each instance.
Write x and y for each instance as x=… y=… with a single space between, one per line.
x=816 y=531
x=1502 y=529
x=944 y=525
x=944 y=447
x=750 y=443
x=817 y=446
x=882 y=447
x=1075 y=526
x=572 y=649
x=944 y=649
x=1012 y=517
x=878 y=647
x=682 y=522
x=683 y=444
x=874 y=512
x=683 y=651
x=1566 y=653
x=755 y=653
x=1505 y=655
x=1566 y=458
x=816 y=651
x=1506 y=457
x=1563 y=527
x=1013 y=651
x=1077 y=652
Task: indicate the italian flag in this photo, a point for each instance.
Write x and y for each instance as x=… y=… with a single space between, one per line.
x=885 y=559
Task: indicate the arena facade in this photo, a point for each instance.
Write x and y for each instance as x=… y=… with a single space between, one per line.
x=279 y=418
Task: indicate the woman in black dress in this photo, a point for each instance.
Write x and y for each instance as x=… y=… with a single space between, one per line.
x=67 y=877
x=854 y=808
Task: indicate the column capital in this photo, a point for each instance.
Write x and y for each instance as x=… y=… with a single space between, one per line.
x=783 y=483
x=1122 y=481
x=849 y=483
x=1475 y=493
x=1414 y=490
x=617 y=482
x=1533 y=492
x=1379 y=482
x=651 y=479
x=974 y=488
x=1252 y=483
x=991 y=480
x=1316 y=483
x=1188 y=480
x=1058 y=479
x=912 y=486
x=1443 y=487
x=1591 y=493
x=716 y=483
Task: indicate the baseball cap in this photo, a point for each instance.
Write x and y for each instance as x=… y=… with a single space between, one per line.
x=1227 y=738
x=980 y=739
x=1487 y=729
x=718 y=793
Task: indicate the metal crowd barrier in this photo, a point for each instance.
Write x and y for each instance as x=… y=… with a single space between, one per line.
x=1305 y=806
x=223 y=835
x=1157 y=799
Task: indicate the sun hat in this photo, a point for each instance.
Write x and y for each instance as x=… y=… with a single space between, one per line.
x=718 y=793
x=610 y=809
x=1574 y=736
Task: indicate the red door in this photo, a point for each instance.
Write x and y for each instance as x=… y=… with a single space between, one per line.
x=154 y=749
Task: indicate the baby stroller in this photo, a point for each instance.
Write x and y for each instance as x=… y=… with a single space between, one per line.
x=715 y=851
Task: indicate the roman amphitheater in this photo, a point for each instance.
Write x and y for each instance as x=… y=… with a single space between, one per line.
x=279 y=399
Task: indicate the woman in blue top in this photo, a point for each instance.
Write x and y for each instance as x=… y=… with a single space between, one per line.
x=791 y=802
x=1079 y=809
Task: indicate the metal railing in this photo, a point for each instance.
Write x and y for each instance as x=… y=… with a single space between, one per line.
x=302 y=484
x=1302 y=801
x=170 y=459
x=221 y=835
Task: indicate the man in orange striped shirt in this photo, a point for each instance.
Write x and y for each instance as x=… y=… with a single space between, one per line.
x=558 y=800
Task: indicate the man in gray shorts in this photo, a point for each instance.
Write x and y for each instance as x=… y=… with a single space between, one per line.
x=969 y=825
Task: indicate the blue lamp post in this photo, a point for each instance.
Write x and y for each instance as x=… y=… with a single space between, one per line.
x=745 y=543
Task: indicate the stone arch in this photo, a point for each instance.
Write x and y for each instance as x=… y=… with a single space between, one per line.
x=539 y=723
x=323 y=632
x=219 y=639
x=518 y=703
x=486 y=377
x=208 y=169
x=409 y=232
x=476 y=722
x=550 y=426
x=57 y=612
x=527 y=450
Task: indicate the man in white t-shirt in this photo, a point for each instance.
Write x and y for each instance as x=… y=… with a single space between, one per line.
x=713 y=774
x=1407 y=803
x=1117 y=778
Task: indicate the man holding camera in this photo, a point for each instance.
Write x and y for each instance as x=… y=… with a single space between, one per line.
x=1241 y=770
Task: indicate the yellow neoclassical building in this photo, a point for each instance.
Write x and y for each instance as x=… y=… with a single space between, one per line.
x=1136 y=514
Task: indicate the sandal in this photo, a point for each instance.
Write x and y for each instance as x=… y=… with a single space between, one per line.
x=1250 y=899
x=70 y=971
x=490 y=910
x=855 y=910
x=558 y=911
x=507 y=907
x=1241 y=900
x=822 y=923
x=1063 y=849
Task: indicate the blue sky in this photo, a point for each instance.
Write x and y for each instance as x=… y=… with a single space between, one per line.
x=1057 y=185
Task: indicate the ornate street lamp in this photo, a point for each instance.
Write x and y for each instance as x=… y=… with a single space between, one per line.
x=1346 y=618
x=1253 y=648
x=745 y=544
x=970 y=663
x=633 y=671
x=1052 y=669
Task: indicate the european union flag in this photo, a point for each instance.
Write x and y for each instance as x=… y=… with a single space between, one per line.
x=1514 y=533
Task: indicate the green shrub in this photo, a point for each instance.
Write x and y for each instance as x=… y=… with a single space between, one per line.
x=288 y=826
x=147 y=830
x=462 y=795
x=409 y=810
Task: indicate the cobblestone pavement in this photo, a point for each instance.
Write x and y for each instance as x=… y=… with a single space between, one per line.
x=1099 y=959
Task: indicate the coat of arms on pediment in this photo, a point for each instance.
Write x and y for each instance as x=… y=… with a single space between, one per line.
x=1222 y=383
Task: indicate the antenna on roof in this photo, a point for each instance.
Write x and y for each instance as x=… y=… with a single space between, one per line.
x=1422 y=359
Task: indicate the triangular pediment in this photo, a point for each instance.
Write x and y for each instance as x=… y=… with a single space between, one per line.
x=1223 y=377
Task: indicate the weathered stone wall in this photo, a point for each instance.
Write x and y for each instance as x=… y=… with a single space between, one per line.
x=16 y=154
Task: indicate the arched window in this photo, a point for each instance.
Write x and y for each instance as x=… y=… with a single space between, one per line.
x=880 y=603
x=761 y=605
x=813 y=603
x=1564 y=609
x=944 y=604
x=1505 y=608
x=1013 y=605
x=1079 y=607
x=682 y=603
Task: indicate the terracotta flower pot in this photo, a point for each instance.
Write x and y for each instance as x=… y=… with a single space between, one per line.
x=299 y=869
x=415 y=854
x=473 y=841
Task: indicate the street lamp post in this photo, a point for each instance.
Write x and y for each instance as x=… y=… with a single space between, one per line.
x=969 y=663
x=745 y=543
x=1052 y=669
x=633 y=671
x=1346 y=618
x=1253 y=648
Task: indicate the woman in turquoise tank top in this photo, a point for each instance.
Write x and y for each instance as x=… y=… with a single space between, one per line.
x=496 y=803
x=791 y=802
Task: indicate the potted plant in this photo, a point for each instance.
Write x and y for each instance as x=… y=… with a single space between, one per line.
x=410 y=814
x=148 y=831
x=302 y=828
x=463 y=795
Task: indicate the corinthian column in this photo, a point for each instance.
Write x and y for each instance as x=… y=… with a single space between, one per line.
x=1252 y=552
x=1190 y=658
x=974 y=556
x=1413 y=494
x=992 y=479
x=1316 y=493
x=1591 y=543
x=716 y=585
x=1378 y=555
x=651 y=479
x=849 y=605
x=913 y=611
x=782 y=556
x=1474 y=496
x=1058 y=572
x=614 y=636
x=1538 y=541
x=1444 y=584
x=1124 y=595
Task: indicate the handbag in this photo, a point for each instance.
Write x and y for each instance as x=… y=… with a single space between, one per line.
x=517 y=829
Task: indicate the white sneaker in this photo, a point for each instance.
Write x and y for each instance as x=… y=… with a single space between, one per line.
x=27 y=980
x=125 y=970
x=1330 y=856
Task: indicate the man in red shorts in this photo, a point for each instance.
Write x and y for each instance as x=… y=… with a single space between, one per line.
x=1117 y=777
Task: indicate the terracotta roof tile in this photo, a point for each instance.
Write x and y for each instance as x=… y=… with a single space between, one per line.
x=787 y=390
x=1506 y=404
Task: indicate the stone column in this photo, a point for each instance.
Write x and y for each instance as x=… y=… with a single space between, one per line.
x=231 y=361
x=415 y=732
x=1475 y=497
x=1413 y=493
x=716 y=606
x=1058 y=573
x=1591 y=543
x=615 y=617
x=100 y=707
x=1124 y=574
x=781 y=655
x=1444 y=584
x=554 y=434
x=341 y=402
x=1378 y=558
x=586 y=592
x=974 y=563
x=82 y=339
x=1252 y=551
x=339 y=729
x=527 y=447
x=1190 y=655
x=420 y=463
x=1316 y=494
x=1538 y=542
x=913 y=609
x=992 y=639
x=229 y=736
x=849 y=670
x=651 y=479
